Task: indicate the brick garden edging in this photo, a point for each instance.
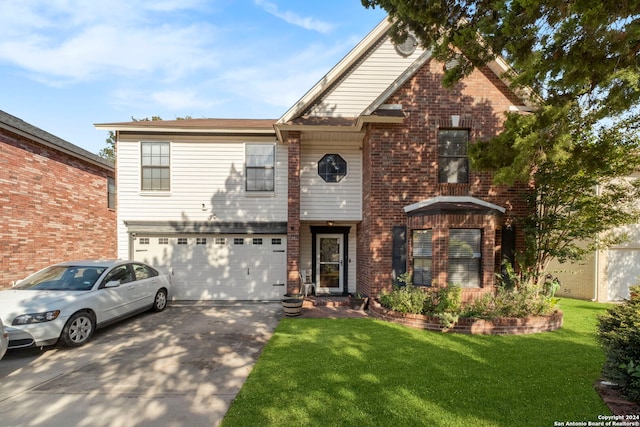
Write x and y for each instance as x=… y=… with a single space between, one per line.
x=500 y=326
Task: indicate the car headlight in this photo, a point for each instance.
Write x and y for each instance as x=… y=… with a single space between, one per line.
x=25 y=319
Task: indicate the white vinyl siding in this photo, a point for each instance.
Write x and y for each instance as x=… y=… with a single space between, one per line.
x=335 y=201
x=366 y=82
x=207 y=184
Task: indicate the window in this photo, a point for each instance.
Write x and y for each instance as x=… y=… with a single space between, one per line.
x=111 y=193
x=143 y=272
x=257 y=241
x=220 y=241
x=260 y=164
x=464 y=257
x=201 y=240
x=155 y=166
x=163 y=240
x=238 y=241
x=182 y=240
x=332 y=168
x=144 y=240
x=276 y=241
x=422 y=257
x=121 y=273
x=453 y=163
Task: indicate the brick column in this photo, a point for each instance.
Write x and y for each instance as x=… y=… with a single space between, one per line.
x=293 y=212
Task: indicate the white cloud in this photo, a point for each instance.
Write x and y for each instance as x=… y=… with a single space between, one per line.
x=293 y=18
x=73 y=41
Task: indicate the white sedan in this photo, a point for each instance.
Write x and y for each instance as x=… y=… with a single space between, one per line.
x=4 y=340
x=66 y=302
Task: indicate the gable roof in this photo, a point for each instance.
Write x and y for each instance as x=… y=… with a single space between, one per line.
x=375 y=62
x=22 y=128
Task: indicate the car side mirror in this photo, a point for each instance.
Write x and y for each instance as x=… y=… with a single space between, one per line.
x=112 y=284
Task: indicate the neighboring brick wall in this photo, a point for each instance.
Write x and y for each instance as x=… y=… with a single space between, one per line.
x=54 y=208
x=401 y=164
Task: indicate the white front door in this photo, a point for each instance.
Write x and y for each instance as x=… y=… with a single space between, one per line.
x=329 y=265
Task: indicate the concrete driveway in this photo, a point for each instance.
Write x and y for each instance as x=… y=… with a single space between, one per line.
x=180 y=367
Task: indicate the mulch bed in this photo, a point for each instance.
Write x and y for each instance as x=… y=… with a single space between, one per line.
x=618 y=404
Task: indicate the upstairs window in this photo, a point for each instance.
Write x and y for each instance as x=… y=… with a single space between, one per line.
x=260 y=167
x=155 y=166
x=453 y=162
x=332 y=168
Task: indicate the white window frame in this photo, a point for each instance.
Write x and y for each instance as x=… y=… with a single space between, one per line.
x=155 y=163
x=253 y=165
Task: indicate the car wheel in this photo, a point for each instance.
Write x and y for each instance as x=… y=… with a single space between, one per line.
x=160 y=301
x=78 y=329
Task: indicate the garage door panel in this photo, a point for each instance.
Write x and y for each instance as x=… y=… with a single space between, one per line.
x=623 y=271
x=234 y=267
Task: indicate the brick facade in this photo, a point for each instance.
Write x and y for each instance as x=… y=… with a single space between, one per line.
x=293 y=213
x=54 y=208
x=401 y=168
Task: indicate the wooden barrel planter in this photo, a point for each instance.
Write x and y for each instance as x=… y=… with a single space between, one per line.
x=292 y=306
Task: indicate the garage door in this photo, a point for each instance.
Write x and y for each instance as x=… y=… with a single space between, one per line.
x=623 y=271
x=219 y=267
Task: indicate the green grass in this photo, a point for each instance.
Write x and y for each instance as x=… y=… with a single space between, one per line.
x=364 y=372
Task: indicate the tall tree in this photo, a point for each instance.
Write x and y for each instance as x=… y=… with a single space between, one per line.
x=578 y=61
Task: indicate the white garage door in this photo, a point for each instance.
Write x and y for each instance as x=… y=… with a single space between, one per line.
x=623 y=271
x=219 y=267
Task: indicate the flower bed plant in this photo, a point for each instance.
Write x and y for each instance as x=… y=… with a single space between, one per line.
x=445 y=303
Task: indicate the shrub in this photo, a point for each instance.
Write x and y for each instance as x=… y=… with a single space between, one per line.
x=619 y=334
x=404 y=299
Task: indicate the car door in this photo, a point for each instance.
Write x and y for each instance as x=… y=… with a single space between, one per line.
x=146 y=285
x=117 y=299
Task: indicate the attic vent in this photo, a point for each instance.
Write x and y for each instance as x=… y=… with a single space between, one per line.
x=408 y=46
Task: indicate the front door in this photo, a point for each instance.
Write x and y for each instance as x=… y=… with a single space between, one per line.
x=329 y=263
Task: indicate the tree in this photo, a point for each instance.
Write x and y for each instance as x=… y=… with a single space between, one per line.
x=578 y=61
x=109 y=152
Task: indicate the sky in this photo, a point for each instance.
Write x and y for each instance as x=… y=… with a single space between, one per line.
x=68 y=64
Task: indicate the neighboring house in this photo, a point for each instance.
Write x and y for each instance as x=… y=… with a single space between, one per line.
x=57 y=201
x=605 y=275
x=364 y=178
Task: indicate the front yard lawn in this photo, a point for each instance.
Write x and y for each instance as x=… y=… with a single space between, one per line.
x=364 y=372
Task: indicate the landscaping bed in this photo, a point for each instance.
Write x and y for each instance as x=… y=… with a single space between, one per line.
x=498 y=326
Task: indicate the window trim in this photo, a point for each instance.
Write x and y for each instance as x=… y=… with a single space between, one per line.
x=422 y=257
x=465 y=157
x=346 y=168
x=143 y=167
x=475 y=256
x=272 y=167
x=111 y=192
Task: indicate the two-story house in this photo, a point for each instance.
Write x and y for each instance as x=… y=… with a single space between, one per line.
x=364 y=178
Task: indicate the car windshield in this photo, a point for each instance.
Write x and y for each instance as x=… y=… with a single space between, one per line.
x=62 y=278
